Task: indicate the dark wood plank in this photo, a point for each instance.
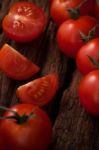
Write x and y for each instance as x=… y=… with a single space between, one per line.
x=74 y=128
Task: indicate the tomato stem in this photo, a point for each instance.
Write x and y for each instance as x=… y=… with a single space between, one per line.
x=90 y=36
x=75 y=12
x=93 y=61
x=19 y=119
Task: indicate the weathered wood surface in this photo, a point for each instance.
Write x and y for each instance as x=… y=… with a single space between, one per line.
x=73 y=128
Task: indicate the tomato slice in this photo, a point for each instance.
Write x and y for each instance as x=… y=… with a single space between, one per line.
x=24 y=22
x=15 y=65
x=39 y=91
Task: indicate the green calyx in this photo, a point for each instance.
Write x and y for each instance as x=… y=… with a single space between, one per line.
x=18 y=118
x=93 y=61
x=75 y=12
x=97 y=2
x=90 y=36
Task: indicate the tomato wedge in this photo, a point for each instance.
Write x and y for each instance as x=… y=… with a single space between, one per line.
x=15 y=65
x=39 y=91
x=24 y=22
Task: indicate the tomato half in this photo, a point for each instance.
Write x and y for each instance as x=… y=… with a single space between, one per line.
x=15 y=65
x=39 y=91
x=89 y=92
x=59 y=9
x=24 y=22
x=89 y=50
x=69 y=36
x=32 y=132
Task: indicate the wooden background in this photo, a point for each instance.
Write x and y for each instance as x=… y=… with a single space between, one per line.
x=73 y=128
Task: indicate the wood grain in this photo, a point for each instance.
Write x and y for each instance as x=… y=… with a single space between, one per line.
x=73 y=128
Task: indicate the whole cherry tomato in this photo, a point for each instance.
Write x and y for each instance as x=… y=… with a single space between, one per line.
x=61 y=10
x=89 y=92
x=26 y=127
x=15 y=65
x=39 y=91
x=24 y=22
x=2 y=144
x=88 y=57
x=73 y=34
x=97 y=9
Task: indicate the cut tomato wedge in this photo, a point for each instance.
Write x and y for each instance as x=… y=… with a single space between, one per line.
x=39 y=91
x=24 y=22
x=15 y=65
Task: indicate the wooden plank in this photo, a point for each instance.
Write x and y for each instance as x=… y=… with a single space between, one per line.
x=74 y=128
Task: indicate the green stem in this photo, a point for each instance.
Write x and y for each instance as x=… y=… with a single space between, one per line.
x=93 y=61
x=75 y=12
x=90 y=36
x=19 y=119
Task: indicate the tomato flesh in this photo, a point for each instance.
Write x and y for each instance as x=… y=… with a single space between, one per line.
x=15 y=65
x=39 y=91
x=24 y=22
x=34 y=134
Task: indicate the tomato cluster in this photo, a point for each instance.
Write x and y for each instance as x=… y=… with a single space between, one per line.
x=78 y=38
x=26 y=126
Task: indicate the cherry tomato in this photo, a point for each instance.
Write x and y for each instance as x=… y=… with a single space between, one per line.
x=39 y=91
x=15 y=65
x=88 y=57
x=59 y=9
x=69 y=35
x=29 y=129
x=97 y=9
x=2 y=144
x=89 y=92
x=51 y=1
x=24 y=22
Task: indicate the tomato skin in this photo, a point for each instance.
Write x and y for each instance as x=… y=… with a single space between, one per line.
x=24 y=22
x=91 y=49
x=15 y=65
x=35 y=134
x=39 y=91
x=97 y=9
x=59 y=9
x=51 y=1
x=89 y=92
x=68 y=35
x=2 y=144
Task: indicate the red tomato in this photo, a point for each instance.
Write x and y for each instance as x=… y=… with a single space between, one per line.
x=91 y=49
x=59 y=9
x=31 y=133
x=89 y=92
x=68 y=36
x=51 y=1
x=39 y=91
x=24 y=22
x=2 y=144
x=97 y=9
x=15 y=65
